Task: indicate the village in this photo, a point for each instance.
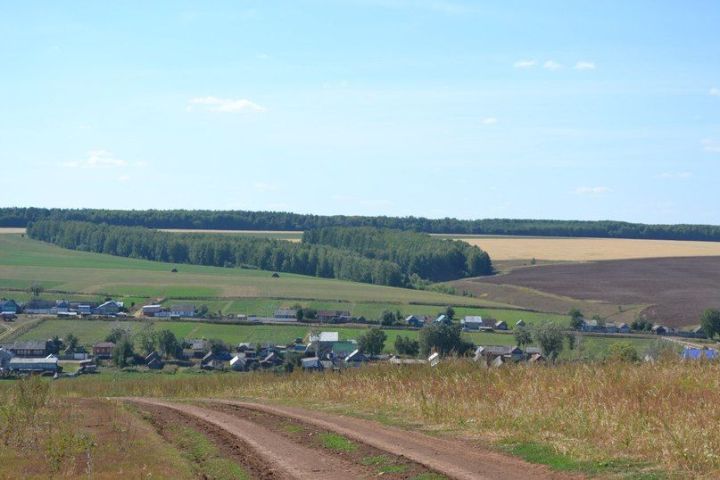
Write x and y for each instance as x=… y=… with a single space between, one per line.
x=319 y=350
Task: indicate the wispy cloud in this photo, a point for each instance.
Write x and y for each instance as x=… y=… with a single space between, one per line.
x=224 y=105
x=675 y=175
x=710 y=145
x=525 y=64
x=591 y=190
x=489 y=121
x=584 y=65
x=551 y=65
x=265 y=187
x=715 y=92
x=96 y=159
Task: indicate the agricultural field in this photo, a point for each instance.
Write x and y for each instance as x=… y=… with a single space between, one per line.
x=502 y=248
x=24 y=261
x=675 y=290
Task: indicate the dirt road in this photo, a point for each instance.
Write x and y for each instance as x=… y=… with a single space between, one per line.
x=286 y=439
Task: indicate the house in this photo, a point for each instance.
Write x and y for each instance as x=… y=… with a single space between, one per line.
x=29 y=349
x=285 y=314
x=691 y=353
x=34 y=365
x=443 y=319
x=472 y=323
x=37 y=306
x=5 y=356
x=108 y=308
x=155 y=364
x=9 y=307
x=211 y=362
x=520 y=323
x=182 y=311
x=611 y=328
x=659 y=330
x=501 y=325
x=341 y=349
x=311 y=363
x=325 y=343
x=62 y=306
x=199 y=347
x=85 y=309
x=434 y=359
x=103 y=349
x=151 y=310
x=356 y=358
x=7 y=316
x=272 y=359
x=415 y=321
x=536 y=358
x=239 y=363
x=491 y=352
x=623 y=328
x=152 y=356
x=333 y=316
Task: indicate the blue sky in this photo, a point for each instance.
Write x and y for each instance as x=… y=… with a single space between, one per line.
x=521 y=109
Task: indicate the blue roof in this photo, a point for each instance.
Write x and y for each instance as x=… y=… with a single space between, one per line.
x=697 y=353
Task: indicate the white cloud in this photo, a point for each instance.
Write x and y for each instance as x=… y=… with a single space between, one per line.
x=551 y=65
x=124 y=178
x=225 y=105
x=584 y=65
x=265 y=187
x=524 y=64
x=591 y=190
x=712 y=146
x=674 y=175
x=489 y=121
x=96 y=159
x=715 y=92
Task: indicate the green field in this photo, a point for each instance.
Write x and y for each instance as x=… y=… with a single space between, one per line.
x=82 y=275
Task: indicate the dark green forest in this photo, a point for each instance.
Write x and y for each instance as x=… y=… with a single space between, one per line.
x=401 y=266
x=246 y=220
x=418 y=254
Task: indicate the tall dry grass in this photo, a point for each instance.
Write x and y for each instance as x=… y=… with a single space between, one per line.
x=665 y=413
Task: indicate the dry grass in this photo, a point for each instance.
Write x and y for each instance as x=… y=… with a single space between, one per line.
x=587 y=249
x=664 y=414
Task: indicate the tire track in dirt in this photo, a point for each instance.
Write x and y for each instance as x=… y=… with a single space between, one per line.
x=284 y=458
x=456 y=459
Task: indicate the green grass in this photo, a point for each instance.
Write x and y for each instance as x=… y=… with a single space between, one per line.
x=333 y=441
x=204 y=457
x=547 y=455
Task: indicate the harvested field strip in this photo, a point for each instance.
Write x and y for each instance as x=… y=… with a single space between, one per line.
x=586 y=249
x=455 y=459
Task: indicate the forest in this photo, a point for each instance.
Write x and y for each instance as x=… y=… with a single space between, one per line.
x=248 y=220
x=429 y=258
x=400 y=267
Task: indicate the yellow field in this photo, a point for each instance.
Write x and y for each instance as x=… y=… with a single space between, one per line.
x=587 y=249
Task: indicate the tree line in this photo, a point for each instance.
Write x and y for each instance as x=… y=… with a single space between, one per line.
x=248 y=220
x=418 y=254
x=218 y=250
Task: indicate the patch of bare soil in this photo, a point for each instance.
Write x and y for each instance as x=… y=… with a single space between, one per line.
x=677 y=289
x=164 y=420
x=455 y=459
x=282 y=458
x=377 y=462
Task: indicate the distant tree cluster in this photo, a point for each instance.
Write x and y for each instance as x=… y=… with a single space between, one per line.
x=246 y=220
x=430 y=258
x=218 y=250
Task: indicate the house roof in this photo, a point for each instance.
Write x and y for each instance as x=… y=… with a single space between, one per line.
x=104 y=345
x=355 y=356
x=29 y=345
x=325 y=337
x=312 y=362
x=109 y=303
x=500 y=322
x=473 y=319
x=183 y=308
x=285 y=311
x=48 y=359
